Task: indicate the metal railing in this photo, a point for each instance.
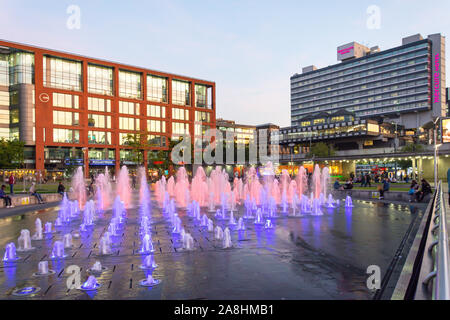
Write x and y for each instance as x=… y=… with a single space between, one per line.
x=438 y=248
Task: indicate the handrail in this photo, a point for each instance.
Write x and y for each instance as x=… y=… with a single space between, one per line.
x=441 y=271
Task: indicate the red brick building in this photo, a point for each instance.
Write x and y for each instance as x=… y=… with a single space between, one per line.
x=75 y=110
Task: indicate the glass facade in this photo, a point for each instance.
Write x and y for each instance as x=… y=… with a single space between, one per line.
x=181 y=92
x=129 y=123
x=129 y=107
x=66 y=135
x=130 y=84
x=66 y=100
x=4 y=69
x=156 y=126
x=156 y=141
x=100 y=105
x=391 y=81
x=180 y=114
x=100 y=80
x=99 y=121
x=156 y=111
x=156 y=88
x=63 y=74
x=66 y=118
x=99 y=137
x=21 y=68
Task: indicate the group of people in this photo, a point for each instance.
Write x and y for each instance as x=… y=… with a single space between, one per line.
x=7 y=198
x=418 y=192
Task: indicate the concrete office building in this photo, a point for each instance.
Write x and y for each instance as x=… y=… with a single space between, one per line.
x=405 y=84
x=74 y=110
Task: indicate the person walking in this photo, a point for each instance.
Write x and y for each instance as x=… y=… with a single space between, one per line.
x=368 y=178
x=11 y=182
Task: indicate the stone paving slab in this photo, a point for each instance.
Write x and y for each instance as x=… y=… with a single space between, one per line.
x=310 y=257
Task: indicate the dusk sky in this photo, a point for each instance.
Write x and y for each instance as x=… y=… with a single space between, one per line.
x=249 y=48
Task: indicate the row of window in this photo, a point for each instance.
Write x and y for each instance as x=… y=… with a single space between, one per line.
x=362 y=63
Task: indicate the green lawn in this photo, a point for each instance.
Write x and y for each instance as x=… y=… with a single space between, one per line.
x=40 y=188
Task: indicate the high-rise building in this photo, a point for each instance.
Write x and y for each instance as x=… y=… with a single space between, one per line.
x=405 y=84
x=74 y=110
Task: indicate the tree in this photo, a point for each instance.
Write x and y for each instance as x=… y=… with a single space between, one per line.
x=412 y=147
x=404 y=164
x=321 y=150
x=134 y=141
x=11 y=155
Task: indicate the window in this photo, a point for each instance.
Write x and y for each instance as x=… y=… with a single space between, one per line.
x=156 y=88
x=66 y=118
x=4 y=70
x=181 y=92
x=65 y=100
x=156 y=141
x=202 y=116
x=180 y=128
x=180 y=114
x=99 y=121
x=305 y=123
x=66 y=136
x=156 y=126
x=100 y=80
x=130 y=84
x=129 y=107
x=126 y=138
x=97 y=104
x=62 y=73
x=156 y=111
x=203 y=96
x=129 y=123
x=99 y=137
x=21 y=68
x=14 y=115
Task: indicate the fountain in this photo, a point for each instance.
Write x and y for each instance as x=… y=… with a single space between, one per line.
x=149 y=262
x=67 y=240
x=149 y=281
x=259 y=217
x=24 y=241
x=58 y=250
x=330 y=202
x=211 y=206
x=227 y=239
x=232 y=221
x=90 y=284
x=316 y=210
x=177 y=226
x=348 y=202
x=58 y=222
x=123 y=187
x=88 y=213
x=147 y=245
x=79 y=187
x=48 y=228
x=188 y=242
x=104 y=248
x=218 y=233
x=10 y=253
x=210 y=226
x=204 y=221
x=43 y=269
x=97 y=268
x=38 y=233
x=240 y=225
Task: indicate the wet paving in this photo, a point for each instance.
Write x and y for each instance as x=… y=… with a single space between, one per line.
x=308 y=257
